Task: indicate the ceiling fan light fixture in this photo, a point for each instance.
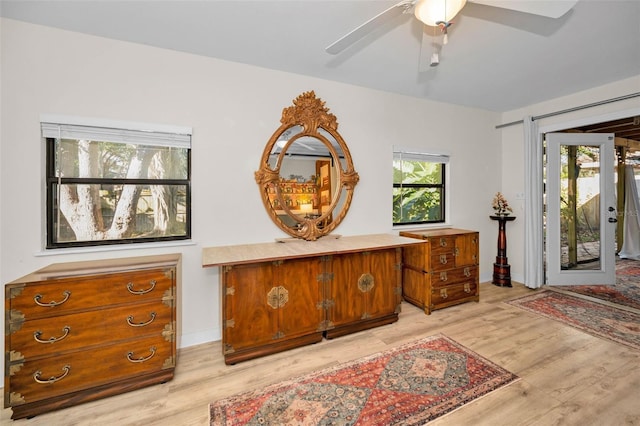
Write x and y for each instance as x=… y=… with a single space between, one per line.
x=430 y=12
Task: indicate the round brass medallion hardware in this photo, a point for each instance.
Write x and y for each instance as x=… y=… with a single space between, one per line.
x=365 y=282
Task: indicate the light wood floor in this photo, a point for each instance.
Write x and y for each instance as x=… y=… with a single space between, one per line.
x=568 y=377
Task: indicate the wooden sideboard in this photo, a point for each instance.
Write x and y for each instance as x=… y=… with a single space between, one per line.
x=444 y=270
x=281 y=295
x=80 y=331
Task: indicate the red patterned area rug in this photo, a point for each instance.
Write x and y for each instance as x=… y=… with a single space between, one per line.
x=602 y=320
x=408 y=385
x=626 y=290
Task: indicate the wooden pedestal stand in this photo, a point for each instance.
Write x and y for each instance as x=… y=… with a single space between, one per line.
x=502 y=269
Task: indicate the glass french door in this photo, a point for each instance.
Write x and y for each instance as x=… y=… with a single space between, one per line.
x=581 y=216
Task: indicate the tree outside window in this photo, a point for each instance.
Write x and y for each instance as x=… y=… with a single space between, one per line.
x=105 y=192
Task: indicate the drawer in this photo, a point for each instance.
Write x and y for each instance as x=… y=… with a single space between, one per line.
x=442 y=261
x=46 y=299
x=442 y=244
x=453 y=293
x=437 y=243
x=36 y=380
x=48 y=336
x=452 y=276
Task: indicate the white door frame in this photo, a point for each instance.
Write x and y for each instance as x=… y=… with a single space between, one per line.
x=605 y=273
x=629 y=112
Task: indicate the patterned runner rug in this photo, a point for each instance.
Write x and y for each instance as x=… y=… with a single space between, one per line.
x=626 y=290
x=408 y=385
x=606 y=321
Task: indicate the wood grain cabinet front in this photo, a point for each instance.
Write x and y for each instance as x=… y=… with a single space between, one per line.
x=271 y=306
x=277 y=296
x=364 y=291
x=80 y=331
x=443 y=271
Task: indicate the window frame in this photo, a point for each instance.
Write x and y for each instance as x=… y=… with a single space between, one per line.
x=52 y=181
x=444 y=161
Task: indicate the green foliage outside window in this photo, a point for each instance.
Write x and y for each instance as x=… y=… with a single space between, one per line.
x=418 y=191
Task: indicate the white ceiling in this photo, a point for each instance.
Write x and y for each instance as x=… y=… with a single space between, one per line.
x=496 y=59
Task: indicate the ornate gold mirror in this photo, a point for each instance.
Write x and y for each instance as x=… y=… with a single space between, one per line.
x=306 y=174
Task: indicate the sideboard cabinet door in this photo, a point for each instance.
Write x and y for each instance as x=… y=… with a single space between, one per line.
x=248 y=320
x=365 y=290
x=271 y=307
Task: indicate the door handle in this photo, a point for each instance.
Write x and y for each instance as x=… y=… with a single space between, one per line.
x=612 y=220
x=612 y=209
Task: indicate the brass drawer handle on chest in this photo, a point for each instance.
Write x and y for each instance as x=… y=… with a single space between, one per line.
x=443 y=242
x=443 y=259
x=152 y=316
x=443 y=293
x=37 y=298
x=443 y=276
x=152 y=349
x=36 y=335
x=467 y=272
x=467 y=288
x=132 y=291
x=37 y=374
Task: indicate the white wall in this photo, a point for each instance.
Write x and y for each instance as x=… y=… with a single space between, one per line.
x=513 y=144
x=233 y=110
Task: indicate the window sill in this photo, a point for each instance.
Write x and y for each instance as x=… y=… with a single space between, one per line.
x=421 y=226
x=115 y=247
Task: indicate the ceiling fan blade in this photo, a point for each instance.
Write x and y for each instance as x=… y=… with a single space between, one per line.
x=391 y=13
x=548 y=8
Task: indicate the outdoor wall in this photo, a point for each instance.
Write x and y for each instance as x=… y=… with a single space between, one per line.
x=233 y=110
x=513 y=145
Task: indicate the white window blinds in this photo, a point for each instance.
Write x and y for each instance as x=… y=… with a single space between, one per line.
x=120 y=132
x=401 y=154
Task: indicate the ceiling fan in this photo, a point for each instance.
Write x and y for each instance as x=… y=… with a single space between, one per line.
x=439 y=13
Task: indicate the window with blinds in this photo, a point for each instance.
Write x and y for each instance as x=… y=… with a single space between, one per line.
x=419 y=184
x=115 y=184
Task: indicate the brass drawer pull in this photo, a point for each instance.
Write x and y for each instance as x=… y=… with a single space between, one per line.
x=152 y=316
x=132 y=291
x=36 y=335
x=443 y=259
x=443 y=276
x=443 y=242
x=443 y=293
x=152 y=349
x=37 y=298
x=467 y=272
x=37 y=374
x=467 y=288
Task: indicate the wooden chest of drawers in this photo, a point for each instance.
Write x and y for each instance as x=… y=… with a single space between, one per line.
x=443 y=271
x=75 y=332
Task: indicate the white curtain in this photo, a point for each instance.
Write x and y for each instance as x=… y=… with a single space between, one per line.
x=631 y=245
x=533 y=206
